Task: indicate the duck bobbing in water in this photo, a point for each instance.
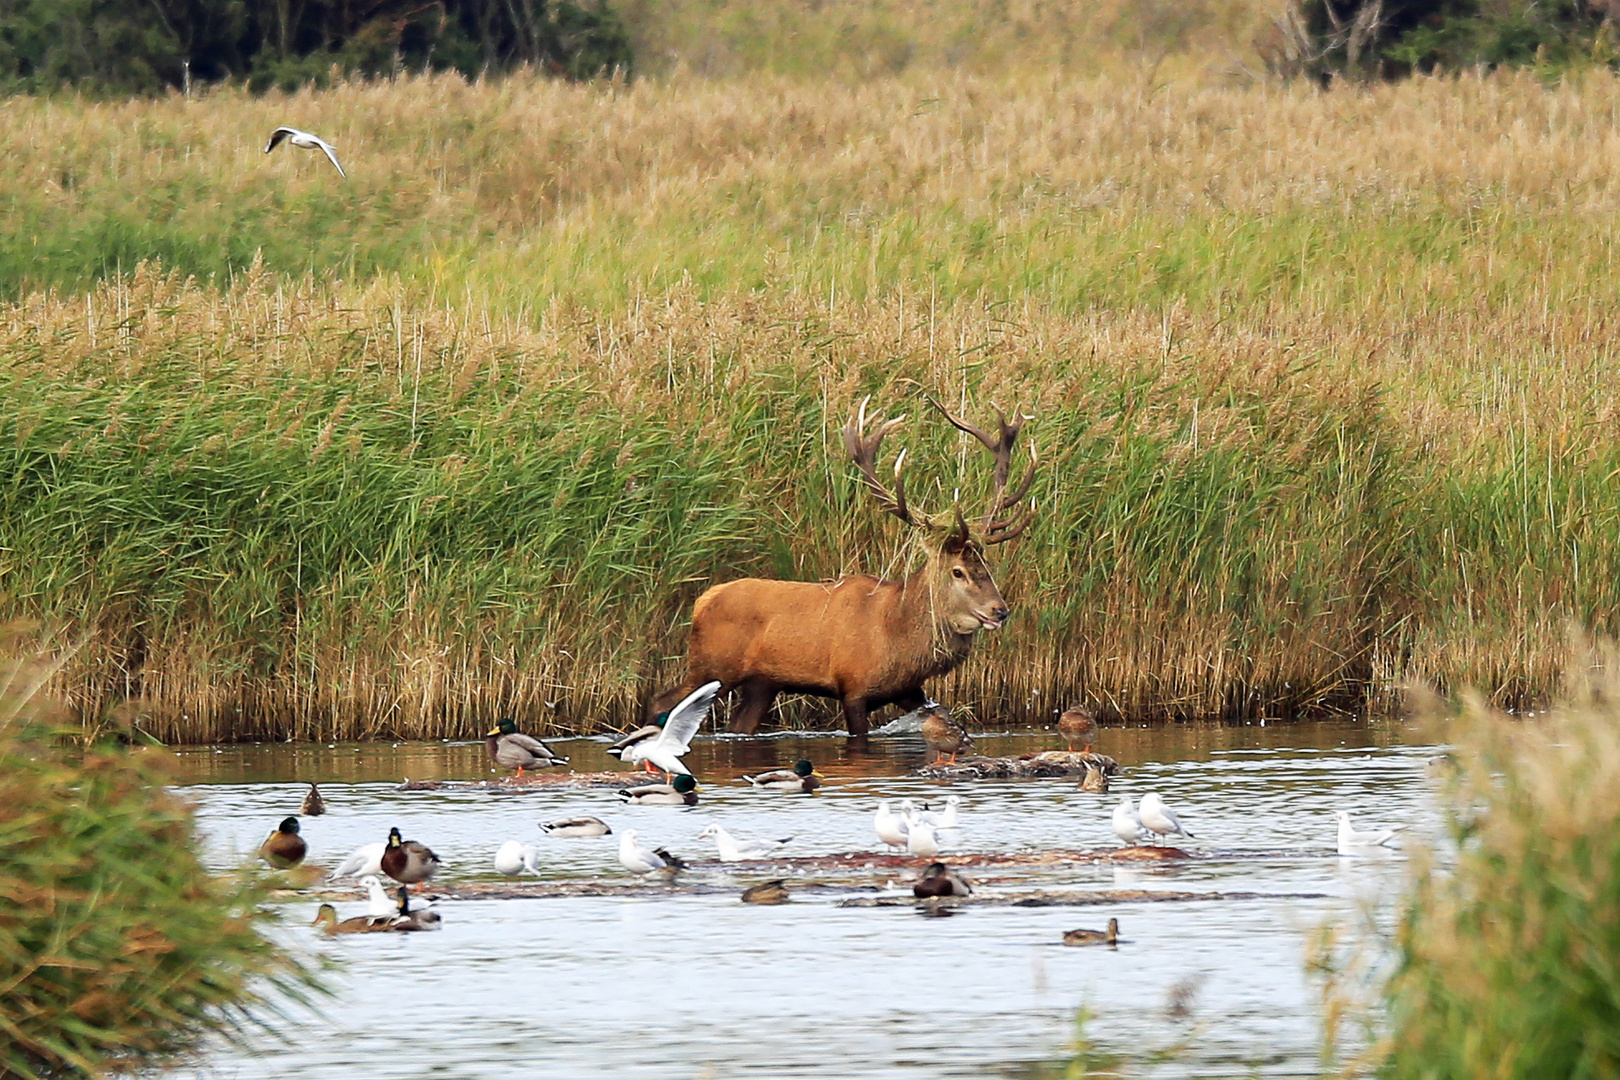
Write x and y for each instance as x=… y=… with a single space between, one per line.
x=1078 y=725
x=576 y=826
x=284 y=848
x=407 y=920
x=511 y=749
x=802 y=777
x=1093 y=937
x=314 y=805
x=683 y=792
x=941 y=880
x=326 y=918
x=407 y=861
x=944 y=736
x=1095 y=780
x=766 y=892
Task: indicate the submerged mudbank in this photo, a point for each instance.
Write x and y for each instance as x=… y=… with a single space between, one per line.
x=568 y=781
x=1045 y=763
x=1065 y=898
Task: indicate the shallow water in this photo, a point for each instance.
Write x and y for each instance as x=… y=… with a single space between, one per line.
x=702 y=985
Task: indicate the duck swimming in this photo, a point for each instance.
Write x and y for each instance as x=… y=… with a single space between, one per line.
x=766 y=892
x=284 y=848
x=510 y=748
x=1093 y=937
x=1095 y=780
x=405 y=920
x=683 y=792
x=314 y=805
x=579 y=826
x=802 y=777
x=326 y=918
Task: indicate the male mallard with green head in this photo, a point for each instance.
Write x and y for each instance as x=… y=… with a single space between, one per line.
x=1078 y=725
x=944 y=736
x=1094 y=937
x=284 y=848
x=407 y=861
x=802 y=777
x=511 y=749
x=408 y=920
x=683 y=792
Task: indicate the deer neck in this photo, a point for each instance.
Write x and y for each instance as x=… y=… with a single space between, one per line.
x=932 y=633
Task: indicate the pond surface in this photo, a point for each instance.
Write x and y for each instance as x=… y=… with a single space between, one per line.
x=680 y=985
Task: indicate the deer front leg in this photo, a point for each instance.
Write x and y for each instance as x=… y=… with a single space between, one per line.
x=855 y=717
x=755 y=697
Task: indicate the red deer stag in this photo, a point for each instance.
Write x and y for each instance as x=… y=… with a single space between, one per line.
x=867 y=642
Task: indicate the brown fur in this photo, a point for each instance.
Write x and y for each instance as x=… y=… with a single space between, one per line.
x=866 y=642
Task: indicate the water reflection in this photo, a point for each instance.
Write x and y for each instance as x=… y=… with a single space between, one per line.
x=701 y=985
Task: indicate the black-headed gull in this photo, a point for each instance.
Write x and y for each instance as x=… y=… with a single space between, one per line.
x=1127 y=825
x=889 y=826
x=1354 y=842
x=304 y=141
x=733 y=849
x=1160 y=818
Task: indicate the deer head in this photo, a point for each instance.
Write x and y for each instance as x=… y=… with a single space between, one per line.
x=965 y=595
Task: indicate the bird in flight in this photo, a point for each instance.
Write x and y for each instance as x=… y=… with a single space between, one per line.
x=304 y=141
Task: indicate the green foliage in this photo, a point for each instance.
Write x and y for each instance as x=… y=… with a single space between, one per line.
x=1507 y=960
x=125 y=47
x=118 y=951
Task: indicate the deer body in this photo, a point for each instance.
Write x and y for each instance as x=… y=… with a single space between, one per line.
x=862 y=640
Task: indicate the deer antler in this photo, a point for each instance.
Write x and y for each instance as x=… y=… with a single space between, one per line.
x=863 y=449
x=998 y=529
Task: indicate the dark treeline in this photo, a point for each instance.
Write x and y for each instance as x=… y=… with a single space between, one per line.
x=1327 y=39
x=148 y=46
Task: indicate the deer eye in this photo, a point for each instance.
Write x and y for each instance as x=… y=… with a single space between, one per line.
x=956 y=572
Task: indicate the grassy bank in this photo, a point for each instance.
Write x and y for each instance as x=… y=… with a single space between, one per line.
x=1323 y=384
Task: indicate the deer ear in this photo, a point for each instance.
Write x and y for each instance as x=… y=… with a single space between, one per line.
x=958 y=539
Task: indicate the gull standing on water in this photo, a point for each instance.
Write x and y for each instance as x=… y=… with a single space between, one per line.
x=304 y=141
x=1160 y=818
x=733 y=849
x=889 y=826
x=1127 y=825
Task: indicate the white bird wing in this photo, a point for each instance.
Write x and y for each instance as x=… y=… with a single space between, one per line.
x=278 y=136
x=331 y=154
x=366 y=859
x=684 y=720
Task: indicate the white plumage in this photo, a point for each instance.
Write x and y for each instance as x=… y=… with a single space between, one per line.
x=664 y=751
x=366 y=859
x=381 y=905
x=304 y=141
x=637 y=859
x=921 y=839
x=889 y=826
x=734 y=850
x=1356 y=842
x=946 y=818
x=514 y=858
x=1160 y=818
x=1127 y=825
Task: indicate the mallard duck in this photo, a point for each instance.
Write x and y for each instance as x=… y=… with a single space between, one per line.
x=365 y=859
x=766 y=892
x=1093 y=937
x=1078 y=725
x=1094 y=780
x=662 y=745
x=1127 y=824
x=889 y=826
x=941 y=880
x=405 y=920
x=407 y=861
x=1160 y=818
x=734 y=850
x=577 y=826
x=802 y=777
x=284 y=848
x=1358 y=842
x=511 y=749
x=683 y=792
x=513 y=858
x=314 y=805
x=326 y=918
x=640 y=860
x=944 y=736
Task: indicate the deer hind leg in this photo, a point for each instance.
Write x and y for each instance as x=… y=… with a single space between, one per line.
x=754 y=701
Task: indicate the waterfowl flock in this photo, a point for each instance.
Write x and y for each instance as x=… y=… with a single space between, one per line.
x=919 y=830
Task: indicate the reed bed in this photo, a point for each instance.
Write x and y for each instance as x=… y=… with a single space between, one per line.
x=1322 y=384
